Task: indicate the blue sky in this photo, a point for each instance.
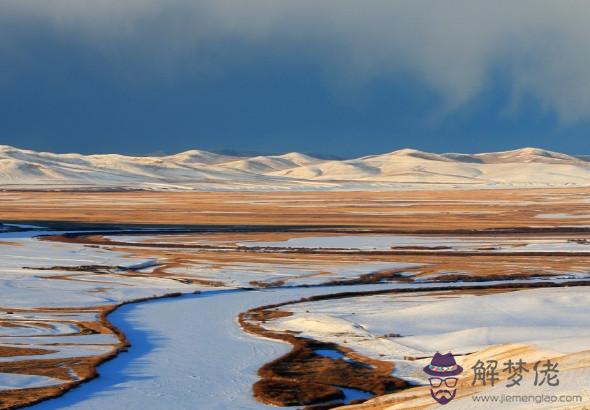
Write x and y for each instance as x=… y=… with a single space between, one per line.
x=335 y=77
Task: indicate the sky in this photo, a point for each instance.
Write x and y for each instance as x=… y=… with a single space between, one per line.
x=327 y=77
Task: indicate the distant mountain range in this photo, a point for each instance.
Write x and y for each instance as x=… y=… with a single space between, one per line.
x=201 y=170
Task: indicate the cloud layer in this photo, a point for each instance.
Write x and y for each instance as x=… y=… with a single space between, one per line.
x=455 y=47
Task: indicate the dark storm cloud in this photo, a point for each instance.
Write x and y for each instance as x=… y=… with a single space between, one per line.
x=451 y=46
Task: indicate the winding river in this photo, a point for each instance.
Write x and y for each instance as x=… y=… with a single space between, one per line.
x=187 y=353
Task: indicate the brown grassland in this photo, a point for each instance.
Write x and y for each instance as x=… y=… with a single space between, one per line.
x=402 y=210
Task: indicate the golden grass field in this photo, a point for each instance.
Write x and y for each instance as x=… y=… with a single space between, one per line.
x=403 y=210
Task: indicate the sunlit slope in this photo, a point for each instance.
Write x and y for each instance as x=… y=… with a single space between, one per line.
x=202 y=170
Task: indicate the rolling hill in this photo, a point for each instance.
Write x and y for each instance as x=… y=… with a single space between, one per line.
x=201 y=170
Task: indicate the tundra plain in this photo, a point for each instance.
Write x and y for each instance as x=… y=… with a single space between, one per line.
x=363 y=287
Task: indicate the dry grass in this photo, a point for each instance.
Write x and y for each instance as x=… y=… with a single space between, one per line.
x=303 y=377
x=9 y=243
x=434 y=265
x=11 y=351
x=473 y=209
x=62 y=369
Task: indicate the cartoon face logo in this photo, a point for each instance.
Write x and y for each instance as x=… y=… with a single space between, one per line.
x=442 y=371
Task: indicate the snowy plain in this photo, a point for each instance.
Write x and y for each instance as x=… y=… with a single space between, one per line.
x=190 y=350
x=554 y=320
x=388 y=242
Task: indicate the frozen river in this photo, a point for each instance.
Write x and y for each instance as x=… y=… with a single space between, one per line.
x=187 y=353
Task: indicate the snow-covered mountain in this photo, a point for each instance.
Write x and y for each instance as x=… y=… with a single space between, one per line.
x=202 y=170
